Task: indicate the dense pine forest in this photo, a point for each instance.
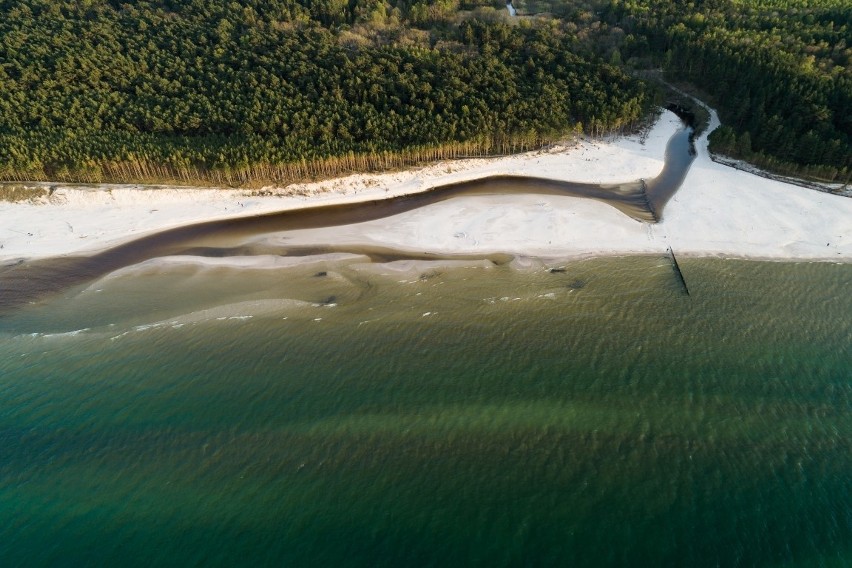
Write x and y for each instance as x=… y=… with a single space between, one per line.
x=255 y=91
x=778 y=71
x=277 y=89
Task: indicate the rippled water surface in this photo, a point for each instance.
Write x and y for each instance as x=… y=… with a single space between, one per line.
x=346 y=413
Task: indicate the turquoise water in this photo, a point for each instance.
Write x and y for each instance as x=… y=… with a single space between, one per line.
x=432 y=415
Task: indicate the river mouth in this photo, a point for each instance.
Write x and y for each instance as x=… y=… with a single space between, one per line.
x=643 y=200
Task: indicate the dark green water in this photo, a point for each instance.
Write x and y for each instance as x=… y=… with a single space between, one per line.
x=434 y=416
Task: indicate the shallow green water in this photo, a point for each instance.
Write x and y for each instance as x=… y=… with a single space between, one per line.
x=433 y=416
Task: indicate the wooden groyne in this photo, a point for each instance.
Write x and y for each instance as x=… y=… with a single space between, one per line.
x=678 y=271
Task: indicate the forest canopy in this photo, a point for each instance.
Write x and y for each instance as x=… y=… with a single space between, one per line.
x=779 y=72
x=273 y=90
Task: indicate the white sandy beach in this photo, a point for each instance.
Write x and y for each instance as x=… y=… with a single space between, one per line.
x=719 y=211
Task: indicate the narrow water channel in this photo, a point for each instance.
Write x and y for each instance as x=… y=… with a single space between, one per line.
x=643 y=200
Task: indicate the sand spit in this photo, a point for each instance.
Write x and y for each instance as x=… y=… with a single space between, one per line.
x=719 y=210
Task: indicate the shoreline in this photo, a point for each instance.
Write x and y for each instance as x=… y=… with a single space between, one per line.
x=718 y=212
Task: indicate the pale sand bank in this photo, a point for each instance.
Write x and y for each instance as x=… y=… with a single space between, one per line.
x=718 y=211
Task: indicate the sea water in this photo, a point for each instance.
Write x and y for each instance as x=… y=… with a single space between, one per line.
x=339 y=412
